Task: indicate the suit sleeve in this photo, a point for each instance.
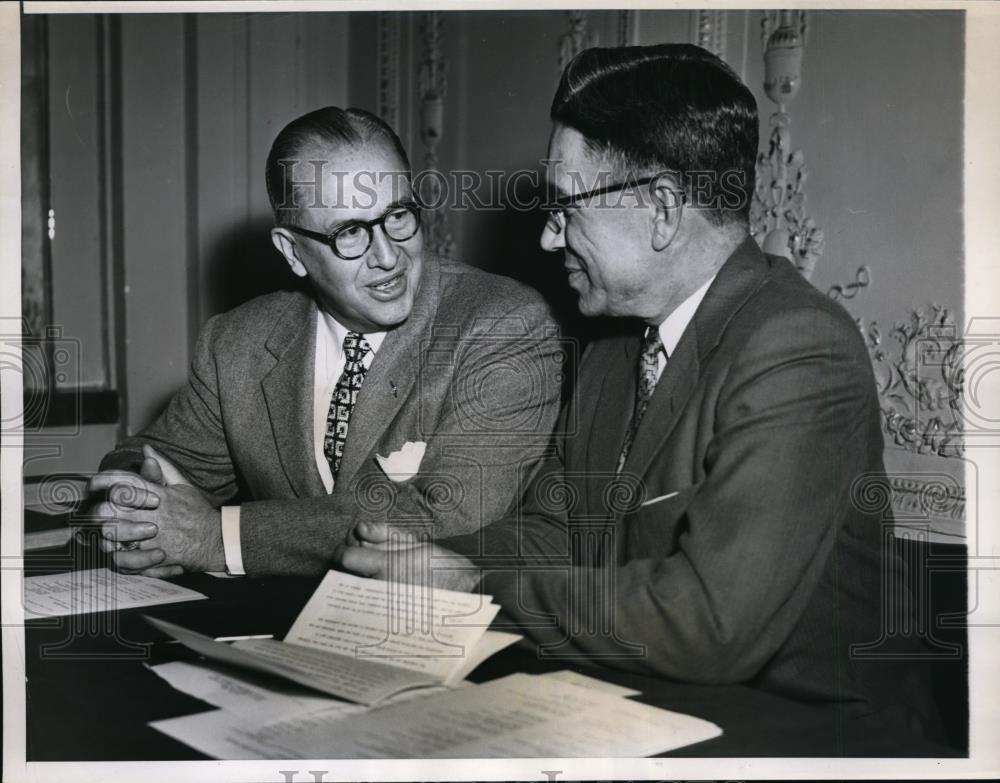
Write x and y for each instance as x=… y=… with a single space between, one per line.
x=190 y=431
x=496 y=419
x=793 y=428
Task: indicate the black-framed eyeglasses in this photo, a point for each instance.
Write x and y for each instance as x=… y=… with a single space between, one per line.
x=556 y=208
x=352 y=240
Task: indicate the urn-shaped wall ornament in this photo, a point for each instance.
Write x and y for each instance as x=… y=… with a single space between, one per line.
x=778 y=218
x=783 y=50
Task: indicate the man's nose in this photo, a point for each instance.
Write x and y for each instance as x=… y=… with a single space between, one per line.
x=384 y=253
x=553 y=237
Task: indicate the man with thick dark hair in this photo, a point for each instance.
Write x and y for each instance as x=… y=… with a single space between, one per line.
x=696 y=521
x=687 y=114
x=400 y=383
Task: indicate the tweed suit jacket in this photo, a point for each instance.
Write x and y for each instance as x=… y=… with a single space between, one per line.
x=474 y=372
x=730 y=549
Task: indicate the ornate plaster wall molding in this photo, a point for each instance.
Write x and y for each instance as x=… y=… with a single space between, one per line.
x=778 y=215
x=432 y=83
x=920 y=382
x=710 y=31
x=862 y=279
x=389 y=42
x=576 y=38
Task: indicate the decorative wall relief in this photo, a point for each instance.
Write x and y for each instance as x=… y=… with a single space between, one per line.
x=576 y=38
x=920 y=383
x=432 y=80
x=778 y=216
x=388 y=68
x=862 y=279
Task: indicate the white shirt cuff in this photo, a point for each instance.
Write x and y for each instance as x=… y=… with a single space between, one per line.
x=231 y=540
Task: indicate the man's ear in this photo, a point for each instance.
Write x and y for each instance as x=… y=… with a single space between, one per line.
x=668 y=202
x=282 y=239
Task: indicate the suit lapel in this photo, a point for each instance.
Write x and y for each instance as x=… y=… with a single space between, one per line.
x=741 y=275
x=679 y=378
x=611 y=411
x=390 y=379
x=288 y=393
x=608 y=413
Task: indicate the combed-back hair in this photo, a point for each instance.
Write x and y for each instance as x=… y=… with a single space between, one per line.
x=332 y=127
x=669 y=108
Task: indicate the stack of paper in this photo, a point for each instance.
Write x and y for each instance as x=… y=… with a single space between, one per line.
x=255 y=714
x=366 y=640
x=560 y=714
x=401 y=654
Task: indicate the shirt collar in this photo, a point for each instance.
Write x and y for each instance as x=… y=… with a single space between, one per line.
x=673 y=328
x=337 y=332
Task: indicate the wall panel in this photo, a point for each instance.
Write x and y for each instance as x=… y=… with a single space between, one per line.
x=154 y=210
x=76 y=191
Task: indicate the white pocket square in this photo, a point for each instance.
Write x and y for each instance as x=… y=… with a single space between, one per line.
x=404 y=464
x=658 y=498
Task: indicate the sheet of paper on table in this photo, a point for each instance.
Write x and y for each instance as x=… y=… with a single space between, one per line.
x=584 y=681
x=519 y=716
x=367 y=640
x=97 y=590
x=220 y=734
x=253 y=718
x=264 y=700
x=257 y=699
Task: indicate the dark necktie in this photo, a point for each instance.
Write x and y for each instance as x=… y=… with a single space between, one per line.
x=645 y=384
x=345 y=395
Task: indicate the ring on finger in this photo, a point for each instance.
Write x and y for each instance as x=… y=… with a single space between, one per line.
x=126 y=546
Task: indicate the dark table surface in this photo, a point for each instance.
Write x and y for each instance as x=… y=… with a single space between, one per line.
x=90 y=695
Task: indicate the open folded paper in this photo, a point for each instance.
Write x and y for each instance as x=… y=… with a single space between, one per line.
x=366 y=640
x=519 y=716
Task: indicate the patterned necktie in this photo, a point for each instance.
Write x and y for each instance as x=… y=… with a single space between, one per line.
x=646 y=383
x=345 y=395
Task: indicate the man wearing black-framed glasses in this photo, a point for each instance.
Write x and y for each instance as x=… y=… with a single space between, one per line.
x=352 y=240
x=398 y=385
x=705 y=521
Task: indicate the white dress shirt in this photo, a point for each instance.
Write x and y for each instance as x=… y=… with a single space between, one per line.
x=327 y=369
x=672 y=329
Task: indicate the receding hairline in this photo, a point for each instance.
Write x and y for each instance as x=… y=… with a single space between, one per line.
x=345 y=152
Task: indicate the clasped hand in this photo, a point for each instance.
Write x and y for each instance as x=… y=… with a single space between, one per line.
x=170 y=525
x=393 y=553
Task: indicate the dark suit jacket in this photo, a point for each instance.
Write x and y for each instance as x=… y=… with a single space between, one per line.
x=474 y=372
x=730 y=549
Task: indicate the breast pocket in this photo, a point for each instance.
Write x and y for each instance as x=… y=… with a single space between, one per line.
x=652 y=529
